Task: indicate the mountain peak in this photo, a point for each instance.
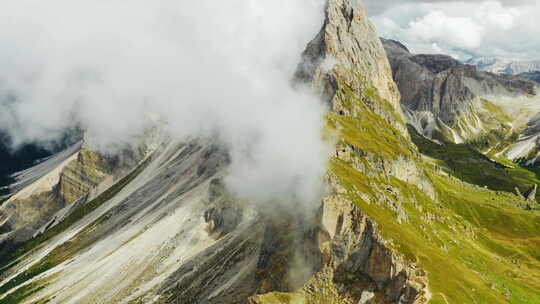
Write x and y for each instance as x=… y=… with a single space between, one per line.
x=347 y=49
x=439 y=93
x=503 y=65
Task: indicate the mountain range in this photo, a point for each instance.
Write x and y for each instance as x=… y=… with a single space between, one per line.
x=501 y=65
x=448 y=101
x=430 y=197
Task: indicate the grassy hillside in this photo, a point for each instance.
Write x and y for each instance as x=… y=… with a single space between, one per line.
x=466 y=163
x=473 y=239
x=477 y=245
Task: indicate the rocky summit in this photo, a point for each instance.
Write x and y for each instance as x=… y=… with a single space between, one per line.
x=424 y=200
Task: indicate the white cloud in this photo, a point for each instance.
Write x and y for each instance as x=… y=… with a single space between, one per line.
x=490 y=28
x=436 y=26
x=378 y=7
x=206 y=67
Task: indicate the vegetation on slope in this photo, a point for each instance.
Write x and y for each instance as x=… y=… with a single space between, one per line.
x=476 y=245
x=466 y=163
x=358 y=130
x=473 y=238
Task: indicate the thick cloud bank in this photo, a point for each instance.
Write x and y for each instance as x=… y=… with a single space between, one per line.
x=505 y=28
x=205 y=67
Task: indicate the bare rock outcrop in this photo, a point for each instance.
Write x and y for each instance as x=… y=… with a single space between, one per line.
x=60 y=184
x=356 y=266
x=530 y=194
x=360 y=261
x=79 y=177
x=437 y=91
x=347 y=49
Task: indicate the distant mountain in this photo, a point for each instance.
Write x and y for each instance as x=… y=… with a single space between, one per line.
x=534 y=76
x=504 y=65
x=449 y=101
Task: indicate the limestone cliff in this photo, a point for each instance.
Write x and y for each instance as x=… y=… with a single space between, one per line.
x=357 y=266
x=347 y=50
x=447 y=100
x=451 y=102
x=82 y=175
x=392 y=227
x=64 y=179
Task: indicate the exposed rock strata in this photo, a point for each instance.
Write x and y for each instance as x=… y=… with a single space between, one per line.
x=347 y=49
x=443 y=98
x=356 y=263
x=173 y=235
x=32 y=208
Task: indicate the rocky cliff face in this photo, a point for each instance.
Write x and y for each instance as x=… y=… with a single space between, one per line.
x=82 y=175
x=357 y=266
x=47 y=188
x=223 y=250
x=346 y=63
x=446 y=100
x=339 y=256
x=393 y=227
x=346 y=43
x=451 y=102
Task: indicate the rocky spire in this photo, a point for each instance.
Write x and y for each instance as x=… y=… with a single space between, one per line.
x=347 y=65
x=349 y=50
x=530 y=194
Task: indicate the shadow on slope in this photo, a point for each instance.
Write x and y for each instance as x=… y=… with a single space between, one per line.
x=471 y=166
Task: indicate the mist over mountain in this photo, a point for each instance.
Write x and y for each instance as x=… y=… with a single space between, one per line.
x=113 y=74
x=256 y=152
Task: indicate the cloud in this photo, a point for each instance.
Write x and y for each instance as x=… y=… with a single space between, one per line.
x=205 y=67
x=377 y=7
x=462 y=29
x=436 y=26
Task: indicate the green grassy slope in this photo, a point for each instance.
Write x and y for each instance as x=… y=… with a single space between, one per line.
x=466 y=163
x=476 y=245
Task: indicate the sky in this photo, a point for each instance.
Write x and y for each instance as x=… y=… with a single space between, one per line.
x=463 y=29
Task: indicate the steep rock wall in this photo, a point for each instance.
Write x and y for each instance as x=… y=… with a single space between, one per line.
x=71 y=178
x=347 y=65
x=446 y=100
